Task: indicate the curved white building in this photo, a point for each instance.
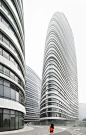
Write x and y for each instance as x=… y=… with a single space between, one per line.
x=32 y=100
x=59 y=97
x=12 y=66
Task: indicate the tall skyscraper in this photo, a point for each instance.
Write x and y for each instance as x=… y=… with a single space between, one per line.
x=33 y=91
x=59 y=97
x=12 y=65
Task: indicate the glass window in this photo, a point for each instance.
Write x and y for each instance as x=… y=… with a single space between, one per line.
x=16 y=78
x=0 y=17
x=5 y=41
x=12 y=122
x=12 y=86
x=5 y=23
x=13 y=92
x=5 y=54
x=16 y=121
x=19 y=81
x=6 y=111
x=16 y=64
x=6 y=92
x=16 y=53
x=17 y=96
x=6 y=83
x=12 y=75
x=17 y=113
x=19 y=68
x=6 y=71
x=12 y=112
x=1 y=81
x=0 y=2
x=11 y=59
x=1 y=68
x=1 y=121
x=0 y=51
x=1 y=91
x=11 y=30
x=0 y=36
x=0 y=110
x=5 y=8
x=20 y=122
x=6 y=122
x=11 y=46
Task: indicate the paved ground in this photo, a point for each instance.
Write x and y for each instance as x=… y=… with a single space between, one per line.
x=43 y=130
x=77 y=130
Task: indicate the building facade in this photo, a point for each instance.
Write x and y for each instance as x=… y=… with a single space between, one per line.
x=12 y=65
x=33 y=91
x=82 y=111
x=59 y=96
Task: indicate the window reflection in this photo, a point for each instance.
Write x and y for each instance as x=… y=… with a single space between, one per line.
x=10 y=91
x=6 y=122
x=6 y=92
x=11 y=119
x=12 y=122
x=13 y=94
x=1 y=91
x=11 y=74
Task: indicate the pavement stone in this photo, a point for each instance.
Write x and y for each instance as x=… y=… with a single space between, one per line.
x=33 y=130
x=43 y=130
x=63 y=133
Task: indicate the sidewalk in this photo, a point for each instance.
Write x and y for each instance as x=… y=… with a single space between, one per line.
x=34 y=130
x=25 y=129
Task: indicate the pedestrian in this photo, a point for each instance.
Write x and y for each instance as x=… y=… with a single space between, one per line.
x=51 y=128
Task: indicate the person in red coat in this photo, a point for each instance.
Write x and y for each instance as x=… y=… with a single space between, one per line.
x=51 y=128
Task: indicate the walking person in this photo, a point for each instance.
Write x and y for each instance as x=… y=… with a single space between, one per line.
x=51 y=128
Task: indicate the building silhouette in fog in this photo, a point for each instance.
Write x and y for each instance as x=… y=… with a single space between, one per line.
x=59 y=96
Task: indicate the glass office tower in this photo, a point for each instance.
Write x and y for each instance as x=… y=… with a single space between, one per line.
x=12 y=66
x=59 y=97
x=33 y=91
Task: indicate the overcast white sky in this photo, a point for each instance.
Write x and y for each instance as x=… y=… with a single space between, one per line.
x=37 y=15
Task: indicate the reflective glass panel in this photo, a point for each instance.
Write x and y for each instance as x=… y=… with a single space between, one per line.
x=0 y=36
x=12 y=112
x=17 y=96
x=1 y=121
x=1 y=68
x=16 y=122
x=5 y=41
x=5 y=8
x=12 y=122
x=1 y=90
x=6 y=111
x=0 y=2
x=11 y=46
x=16 y=78
x=13 y=92
x=1 y=81
x=11 y=59
x=20 y=122
x=6 y=83
x=0 y=51
x=5 y=23
x=5 y=54
x=12 y=75
x=6 y=92
x=6 y=122
x=6 y=71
